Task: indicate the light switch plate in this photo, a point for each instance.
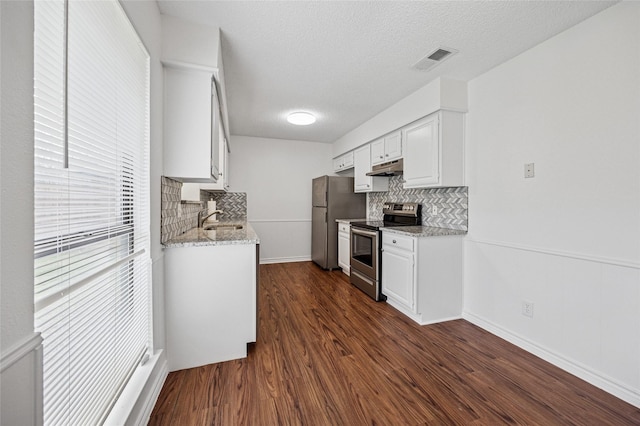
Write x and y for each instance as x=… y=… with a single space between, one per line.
x=529 y=170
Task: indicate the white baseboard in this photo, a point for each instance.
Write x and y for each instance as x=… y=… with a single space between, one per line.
x=399 y=307
x=585 y=373
x=439 y=320
x=418 y=317
x=285 y=259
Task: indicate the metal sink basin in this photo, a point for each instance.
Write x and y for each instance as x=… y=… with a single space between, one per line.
x=222 y=227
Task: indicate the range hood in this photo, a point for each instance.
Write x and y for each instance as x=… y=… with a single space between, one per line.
x=391 y=168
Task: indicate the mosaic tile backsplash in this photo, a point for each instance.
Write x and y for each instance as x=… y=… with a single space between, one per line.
x=177 y=217
x=233 y=204
x=452 y=203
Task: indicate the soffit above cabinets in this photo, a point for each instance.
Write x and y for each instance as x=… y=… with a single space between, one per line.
x=347 y=61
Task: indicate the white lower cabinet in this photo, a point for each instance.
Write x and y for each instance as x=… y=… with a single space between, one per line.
x=344 y=247
x=422 y=276
x=210 y=303
x=398 y=274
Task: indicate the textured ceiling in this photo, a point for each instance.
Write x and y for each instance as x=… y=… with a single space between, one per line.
x=347 y=61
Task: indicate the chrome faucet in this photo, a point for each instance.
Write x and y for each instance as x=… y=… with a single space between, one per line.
x=201 y=219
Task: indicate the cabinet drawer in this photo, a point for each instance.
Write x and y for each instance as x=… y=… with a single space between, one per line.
x=398 y=241
x=344 y=227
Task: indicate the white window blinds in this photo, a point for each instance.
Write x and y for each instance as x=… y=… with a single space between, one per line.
x=91 y=250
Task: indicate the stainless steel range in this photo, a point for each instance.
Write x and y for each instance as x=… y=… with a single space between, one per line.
x=366 y=245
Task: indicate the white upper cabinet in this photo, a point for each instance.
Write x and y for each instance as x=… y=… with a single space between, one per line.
x=222 y=183
x=223 y=176
x=434 y=151
x=192 y=126
x=388 y=148
x=344 y=162
x=362 y=166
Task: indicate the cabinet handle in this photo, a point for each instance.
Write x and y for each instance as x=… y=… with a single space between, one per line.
x=394 y=241
x=386 y=155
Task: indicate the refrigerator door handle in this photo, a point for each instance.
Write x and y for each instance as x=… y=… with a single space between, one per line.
x=326 y=217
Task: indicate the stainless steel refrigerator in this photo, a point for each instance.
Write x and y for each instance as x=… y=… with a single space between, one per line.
x=333 y=198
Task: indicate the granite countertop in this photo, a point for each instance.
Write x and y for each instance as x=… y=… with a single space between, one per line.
x=351 y=220
x=423 y=231
x=196 y=237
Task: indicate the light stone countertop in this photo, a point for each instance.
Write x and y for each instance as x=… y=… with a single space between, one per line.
x=350 y=220
x=423 y=231
x=196 y=237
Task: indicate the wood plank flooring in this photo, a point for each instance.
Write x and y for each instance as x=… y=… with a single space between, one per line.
x=328 y=355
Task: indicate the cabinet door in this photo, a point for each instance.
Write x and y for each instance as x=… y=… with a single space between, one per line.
x=362 y=166
x=347 y=160
x=216 y=131
x=422 y=153
x=398 y=276
x=343 y=252
x=187 y=124
x=225 y=162
x=377 y=151
x=393 y=146
x=222 y=183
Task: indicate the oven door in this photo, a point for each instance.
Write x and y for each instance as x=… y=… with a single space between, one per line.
x=365 y=251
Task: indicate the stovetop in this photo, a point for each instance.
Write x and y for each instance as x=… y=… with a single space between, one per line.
x=395 y=214
x=371 y=224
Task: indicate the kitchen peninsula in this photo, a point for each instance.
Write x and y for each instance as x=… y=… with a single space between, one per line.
x=210 y=280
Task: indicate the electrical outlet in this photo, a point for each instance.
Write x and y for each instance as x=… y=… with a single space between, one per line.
x=529 y=170
x=434 y=210
x=527 y=309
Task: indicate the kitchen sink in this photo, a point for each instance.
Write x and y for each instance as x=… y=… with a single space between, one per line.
x=222 y=227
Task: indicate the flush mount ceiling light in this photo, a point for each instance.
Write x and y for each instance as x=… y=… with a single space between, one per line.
x=301 y=118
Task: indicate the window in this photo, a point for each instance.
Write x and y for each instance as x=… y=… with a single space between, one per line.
x=91 y=248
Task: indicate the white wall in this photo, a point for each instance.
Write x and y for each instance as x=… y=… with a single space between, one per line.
x=567 y=240
x=190 y=42
x=276 y=175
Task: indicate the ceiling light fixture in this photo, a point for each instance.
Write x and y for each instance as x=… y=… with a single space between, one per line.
x=301 y=118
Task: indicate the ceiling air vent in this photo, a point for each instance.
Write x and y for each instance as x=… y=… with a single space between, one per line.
x=434 y=58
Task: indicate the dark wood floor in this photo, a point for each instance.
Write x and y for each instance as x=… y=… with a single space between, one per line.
x=328 y=355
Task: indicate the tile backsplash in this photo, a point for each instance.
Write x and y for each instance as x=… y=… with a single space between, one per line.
x=452 y=203
x=233 y=204
x=177 y=217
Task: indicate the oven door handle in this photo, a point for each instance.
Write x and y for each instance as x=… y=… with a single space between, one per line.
x=363 y=232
